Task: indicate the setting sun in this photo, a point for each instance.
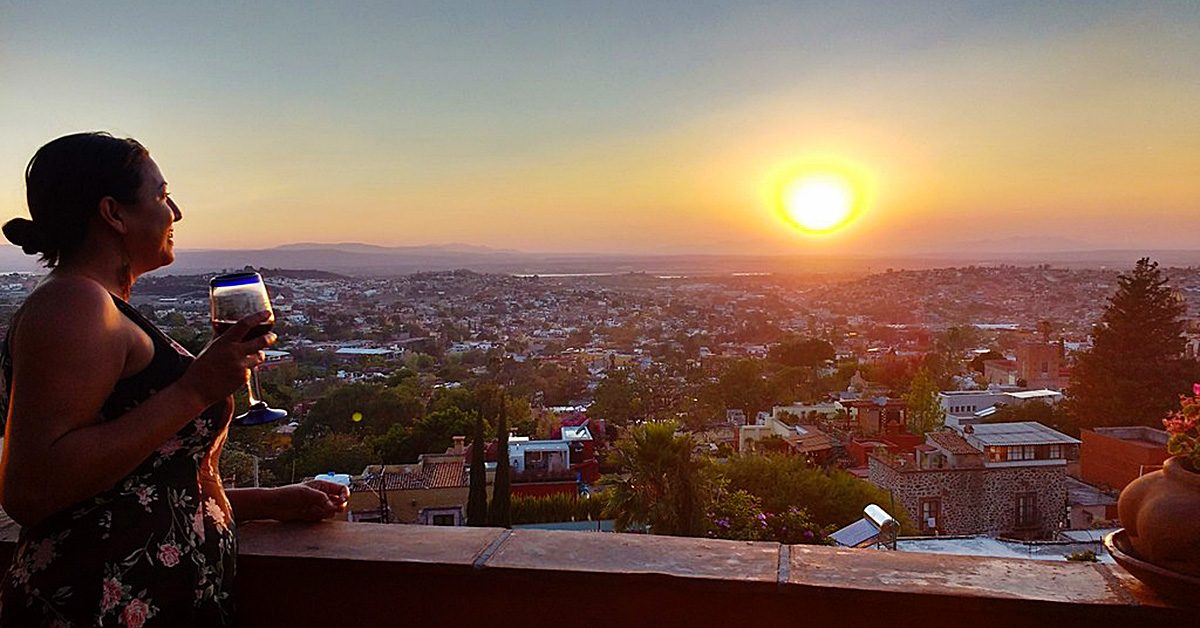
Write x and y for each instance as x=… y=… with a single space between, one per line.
x=818 y=203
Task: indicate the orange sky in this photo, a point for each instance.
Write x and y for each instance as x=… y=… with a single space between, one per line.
x=630 y=129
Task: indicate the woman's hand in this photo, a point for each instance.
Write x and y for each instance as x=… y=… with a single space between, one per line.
x=224 y=365
x=311 y=501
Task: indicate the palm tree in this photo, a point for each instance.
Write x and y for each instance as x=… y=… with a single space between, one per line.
x=662 y=484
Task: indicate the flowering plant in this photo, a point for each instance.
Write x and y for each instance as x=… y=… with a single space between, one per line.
x=1184 y=427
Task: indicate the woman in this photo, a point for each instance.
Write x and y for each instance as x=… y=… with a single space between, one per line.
x=113 y=430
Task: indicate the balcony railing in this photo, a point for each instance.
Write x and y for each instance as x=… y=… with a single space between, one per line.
x=359 y=574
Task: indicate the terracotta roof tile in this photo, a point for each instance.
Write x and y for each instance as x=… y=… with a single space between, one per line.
x=450 y=474
x=952 y=443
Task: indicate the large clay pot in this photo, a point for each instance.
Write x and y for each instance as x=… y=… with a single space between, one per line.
x=1161 y=514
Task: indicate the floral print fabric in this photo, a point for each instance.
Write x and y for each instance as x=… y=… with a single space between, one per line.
x=157 y=549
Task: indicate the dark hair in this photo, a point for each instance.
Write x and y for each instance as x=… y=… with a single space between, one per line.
x=64 y=183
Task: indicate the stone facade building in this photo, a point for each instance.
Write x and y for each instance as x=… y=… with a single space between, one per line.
x=1003 y=479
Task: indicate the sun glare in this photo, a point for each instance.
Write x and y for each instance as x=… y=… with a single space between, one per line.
x=819 y=203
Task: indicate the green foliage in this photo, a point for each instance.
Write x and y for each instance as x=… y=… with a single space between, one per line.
x=737 y=515
x=341 y=453
x=477 y=499
x=743 y=387
x=433 y=433
x=615 y=399
x=1136 y=369
x=237 y=467
x=924 y=412
x=1050 y=415
x=376 y=408
x=500 y=510
x=833 y=498
x=807 y=352
x=1085 y=556
x=661 y=483
x=192 y=339
x=556 y=508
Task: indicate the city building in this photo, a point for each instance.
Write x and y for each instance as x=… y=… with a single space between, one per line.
x=963 y=407
x=1002 y=478
x=433 y=491
x=792 y=439
x=1042 y=365
x=881 y=415
x=1115 y=456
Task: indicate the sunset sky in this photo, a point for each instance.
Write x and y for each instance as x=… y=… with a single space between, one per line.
x=636 y=127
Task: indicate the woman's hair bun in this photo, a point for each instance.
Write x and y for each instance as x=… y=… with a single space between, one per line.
x=25 y=234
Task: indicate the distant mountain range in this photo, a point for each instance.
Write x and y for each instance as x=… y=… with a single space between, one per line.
x=368 y=259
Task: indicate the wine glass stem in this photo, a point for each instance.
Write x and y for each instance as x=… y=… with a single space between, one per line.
x=253 y=392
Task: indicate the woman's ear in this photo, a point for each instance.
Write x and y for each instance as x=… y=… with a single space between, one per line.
x=113 y=214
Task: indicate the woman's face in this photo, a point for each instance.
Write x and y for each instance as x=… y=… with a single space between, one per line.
x=150 y=236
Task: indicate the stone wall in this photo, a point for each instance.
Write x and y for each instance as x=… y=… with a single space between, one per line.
x=977 y=501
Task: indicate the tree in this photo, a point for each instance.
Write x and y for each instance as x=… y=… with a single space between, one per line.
x=924 y=412
x=1136 y=369
x=661 y=485
x=614 y=402
x=500 y=512
x=742 y=387
x=807 y=352
x=340 y=453
x=783 y=483
x=1051 y=415
x=477 y=500
x=360 y=409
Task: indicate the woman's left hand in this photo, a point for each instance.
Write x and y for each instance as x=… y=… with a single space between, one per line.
x=311 y=501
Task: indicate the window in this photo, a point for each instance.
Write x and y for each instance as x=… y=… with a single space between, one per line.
x=1022 y=452
x=1055 y=452
x=996 y=454
x=931 y=512
x=443 y=520
x=1026 y=510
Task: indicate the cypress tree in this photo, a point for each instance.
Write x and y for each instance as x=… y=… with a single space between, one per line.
x=477 y=505
x=1136 y=368
x=500 y=512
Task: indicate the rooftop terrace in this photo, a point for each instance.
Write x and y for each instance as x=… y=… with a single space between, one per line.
x=355 y=574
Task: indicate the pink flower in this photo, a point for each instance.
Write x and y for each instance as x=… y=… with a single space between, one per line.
x=198 y=525
x=19 y=573
x=135 y=613
x=1178 y=424
x=145 y=495
x=168 y=554
x=170 y=447
x=215 y=513
x=43 y=554
x=1196 y=389
x=113 y=593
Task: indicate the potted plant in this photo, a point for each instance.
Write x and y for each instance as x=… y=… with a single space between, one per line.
x=1161 y=510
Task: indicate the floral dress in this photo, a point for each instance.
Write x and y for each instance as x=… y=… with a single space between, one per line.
x=156 y=549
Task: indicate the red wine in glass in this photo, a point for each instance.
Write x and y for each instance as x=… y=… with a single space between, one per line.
x=234 y=297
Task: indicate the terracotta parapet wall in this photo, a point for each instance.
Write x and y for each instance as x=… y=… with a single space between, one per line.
x=358 y=574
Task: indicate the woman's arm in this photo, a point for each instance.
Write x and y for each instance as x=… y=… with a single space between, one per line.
x=69 y=351
x=311 y=501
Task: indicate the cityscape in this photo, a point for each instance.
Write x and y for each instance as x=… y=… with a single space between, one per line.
x=600 y=314
x=384 y=376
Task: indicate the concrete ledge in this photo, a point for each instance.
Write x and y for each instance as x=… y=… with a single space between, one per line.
x=359 y=574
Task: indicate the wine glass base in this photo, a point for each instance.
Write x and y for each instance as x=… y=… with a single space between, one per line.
x=259 y=414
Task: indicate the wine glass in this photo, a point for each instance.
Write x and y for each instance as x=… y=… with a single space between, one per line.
x=234 y=297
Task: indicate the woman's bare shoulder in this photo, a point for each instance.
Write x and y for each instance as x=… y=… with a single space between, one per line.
x=68 y=307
